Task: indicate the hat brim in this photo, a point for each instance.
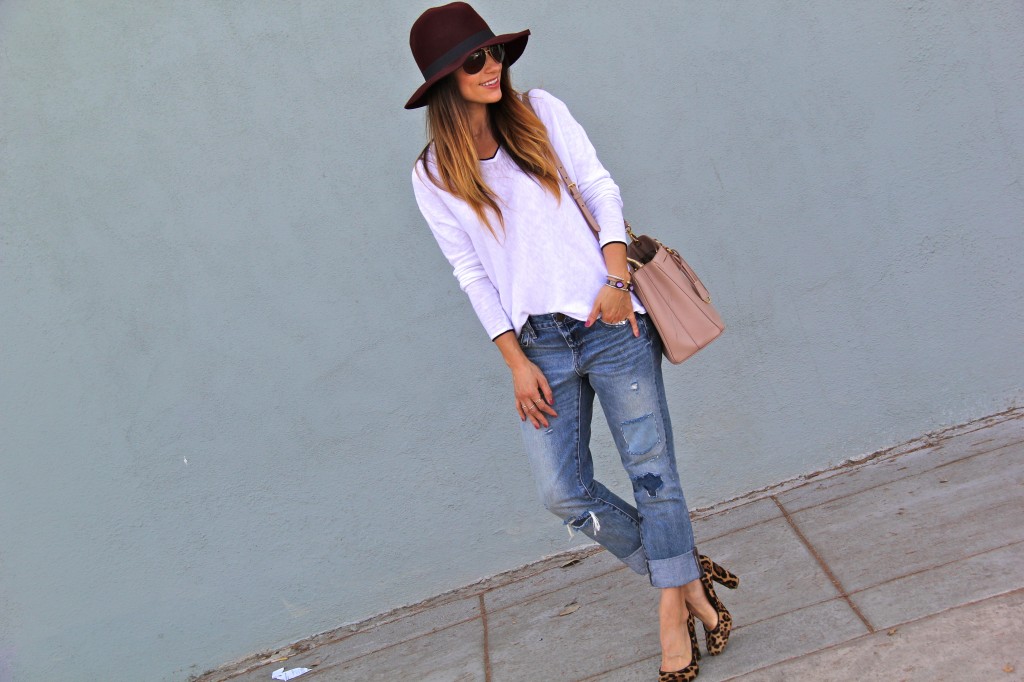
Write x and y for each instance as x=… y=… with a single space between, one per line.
x=515 y=43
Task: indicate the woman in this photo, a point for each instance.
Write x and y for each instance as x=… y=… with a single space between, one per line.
x=558 y=305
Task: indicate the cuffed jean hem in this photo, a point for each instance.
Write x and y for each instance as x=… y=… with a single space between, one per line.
x=675 y=571
x=636 y=561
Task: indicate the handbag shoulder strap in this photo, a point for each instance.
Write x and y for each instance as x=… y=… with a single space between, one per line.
x=573 y=189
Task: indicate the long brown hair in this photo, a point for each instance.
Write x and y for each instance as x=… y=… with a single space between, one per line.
x=513 y=124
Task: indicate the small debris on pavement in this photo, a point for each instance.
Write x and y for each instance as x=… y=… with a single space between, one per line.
x=1008 y=668
x=282 y=674
x=571 y=607
x=892 y=631
x=571 y=562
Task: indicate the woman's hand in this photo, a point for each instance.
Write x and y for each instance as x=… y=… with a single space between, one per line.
x=613 y=306
x=533 y=395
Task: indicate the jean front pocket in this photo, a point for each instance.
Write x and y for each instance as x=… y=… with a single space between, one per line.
x=527 y=335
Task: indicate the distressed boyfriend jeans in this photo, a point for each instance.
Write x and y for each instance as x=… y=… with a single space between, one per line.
x=653 y=538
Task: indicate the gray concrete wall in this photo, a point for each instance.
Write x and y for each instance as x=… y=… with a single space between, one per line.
x=243 y=400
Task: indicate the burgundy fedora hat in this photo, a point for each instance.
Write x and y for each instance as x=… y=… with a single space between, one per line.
x=443 y=37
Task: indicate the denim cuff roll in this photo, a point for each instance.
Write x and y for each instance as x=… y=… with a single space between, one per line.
x=675 y=571
x=637 y=561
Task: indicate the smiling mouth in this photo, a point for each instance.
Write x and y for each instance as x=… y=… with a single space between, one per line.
x=490 y=82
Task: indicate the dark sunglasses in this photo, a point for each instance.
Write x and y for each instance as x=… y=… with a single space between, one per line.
x=478 y=58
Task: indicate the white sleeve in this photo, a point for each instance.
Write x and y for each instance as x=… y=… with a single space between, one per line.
x=580 y=158
x=458 y=248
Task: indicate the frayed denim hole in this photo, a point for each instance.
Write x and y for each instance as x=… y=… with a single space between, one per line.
x=641 y=434
x=574 y=525
x=649 y=482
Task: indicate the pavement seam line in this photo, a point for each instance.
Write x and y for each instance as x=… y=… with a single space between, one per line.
x=936 y=566
x=748 y=624
x=482 y=616
x=737 y=530
x=893 y=480
x=557 y=589
x=377 y=651
x=487 y=644
x=824 y=566
x=581 y=552
x=872 y=634
x=925 y=441
x=840 y=497
x=842 y=469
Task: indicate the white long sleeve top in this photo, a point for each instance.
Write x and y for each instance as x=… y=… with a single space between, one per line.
x=546 y=260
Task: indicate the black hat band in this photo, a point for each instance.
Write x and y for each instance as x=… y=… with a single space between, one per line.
x=462 y=48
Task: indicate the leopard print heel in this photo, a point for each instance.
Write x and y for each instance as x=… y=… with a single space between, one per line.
x=717 y=638
x=691 y=671
x=719 y=574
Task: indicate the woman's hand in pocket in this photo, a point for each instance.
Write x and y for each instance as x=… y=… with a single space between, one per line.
x=613 y=306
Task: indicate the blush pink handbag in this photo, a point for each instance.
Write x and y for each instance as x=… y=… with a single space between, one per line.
x=676 y=300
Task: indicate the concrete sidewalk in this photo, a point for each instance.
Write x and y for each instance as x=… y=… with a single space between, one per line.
x=906 y=566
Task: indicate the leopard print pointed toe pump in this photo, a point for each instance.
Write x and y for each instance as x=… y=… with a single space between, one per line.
x=691 y=671
x=687 y=674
